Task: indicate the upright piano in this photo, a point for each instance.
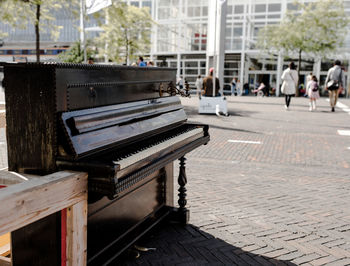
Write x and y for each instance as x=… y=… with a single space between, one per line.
x=122 y=125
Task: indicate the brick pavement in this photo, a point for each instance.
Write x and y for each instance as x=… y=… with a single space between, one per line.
x=284 y=201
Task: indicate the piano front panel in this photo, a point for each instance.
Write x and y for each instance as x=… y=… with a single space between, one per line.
x=109 y=219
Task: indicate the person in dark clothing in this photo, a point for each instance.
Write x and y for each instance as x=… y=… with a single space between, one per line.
x=208 y=85
x=334 y=83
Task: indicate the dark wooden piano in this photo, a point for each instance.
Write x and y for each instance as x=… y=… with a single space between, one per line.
x=123 y=125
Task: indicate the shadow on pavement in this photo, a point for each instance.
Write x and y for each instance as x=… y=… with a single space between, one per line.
x=281 y=103
x=192 y=111
x=187 y=245
x=233 y=129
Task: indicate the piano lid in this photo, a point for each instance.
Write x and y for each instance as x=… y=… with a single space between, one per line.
x=92 y=130
x=80 y=86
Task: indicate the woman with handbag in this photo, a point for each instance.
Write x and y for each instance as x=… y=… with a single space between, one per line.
x=312 y=91
x=290 y=83
x=334 y=83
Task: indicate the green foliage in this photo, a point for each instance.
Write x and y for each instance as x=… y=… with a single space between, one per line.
x=75 y=54
x=20 y=13
x=127 y=33
x=316 y=28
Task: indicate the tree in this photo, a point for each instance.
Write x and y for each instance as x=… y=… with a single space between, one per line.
x=7 y=15
x=316 y=28
x=75 y=54
x=126 y=34
x=20 y=13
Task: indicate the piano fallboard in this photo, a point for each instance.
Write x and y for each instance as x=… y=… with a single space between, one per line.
x=116 y=171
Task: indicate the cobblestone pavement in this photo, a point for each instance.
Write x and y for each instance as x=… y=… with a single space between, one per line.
x=272 y=187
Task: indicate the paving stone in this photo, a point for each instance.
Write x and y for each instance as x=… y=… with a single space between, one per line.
x=324 y=261
x=306 y=258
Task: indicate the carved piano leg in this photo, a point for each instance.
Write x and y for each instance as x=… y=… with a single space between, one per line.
x=183 y=212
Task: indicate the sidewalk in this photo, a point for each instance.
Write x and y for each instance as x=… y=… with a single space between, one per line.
x=272 y=187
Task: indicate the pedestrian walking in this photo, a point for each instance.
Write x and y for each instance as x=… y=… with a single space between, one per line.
x=308 y=80
x=260 y=91
x=290 y=83
x=180 y=83
x=199 y=84
x=312 y=91
x=238 y=87
x=233 y=87
x=334 y=83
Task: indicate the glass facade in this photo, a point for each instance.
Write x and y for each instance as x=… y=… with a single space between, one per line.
x=182 y=30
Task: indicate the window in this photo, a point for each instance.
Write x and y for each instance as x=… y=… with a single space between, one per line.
x=164 y=13
x=205 y=11
x=229 y=10
x=260 y=8
x=274 y=8
x=147 y=4
x=163 y=3
x=237 y=44
x=134 y=3
x=228 y=32
x=190 y=11
x=237 y=32
x=274 y=16
x=292 y=6
x=239 y=9
x=191 y=64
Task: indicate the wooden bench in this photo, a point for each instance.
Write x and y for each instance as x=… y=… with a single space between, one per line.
x=31 y=200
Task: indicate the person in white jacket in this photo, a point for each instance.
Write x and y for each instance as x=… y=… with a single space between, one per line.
x=199 y=85
x=290 y=83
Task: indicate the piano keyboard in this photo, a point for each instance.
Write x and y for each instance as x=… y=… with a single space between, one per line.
x=158 y=147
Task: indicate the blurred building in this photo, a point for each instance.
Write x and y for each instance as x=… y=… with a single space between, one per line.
x=180 y=40
x=19 y=44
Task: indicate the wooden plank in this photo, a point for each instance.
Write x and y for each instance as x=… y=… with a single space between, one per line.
x=5 y=250
x=77 y=234
x=30 y=201
x=5 y=261
x=9 y=178
x=4 y=239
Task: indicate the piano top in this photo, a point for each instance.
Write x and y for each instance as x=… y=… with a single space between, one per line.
x=77 y=66
x=80 y=86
